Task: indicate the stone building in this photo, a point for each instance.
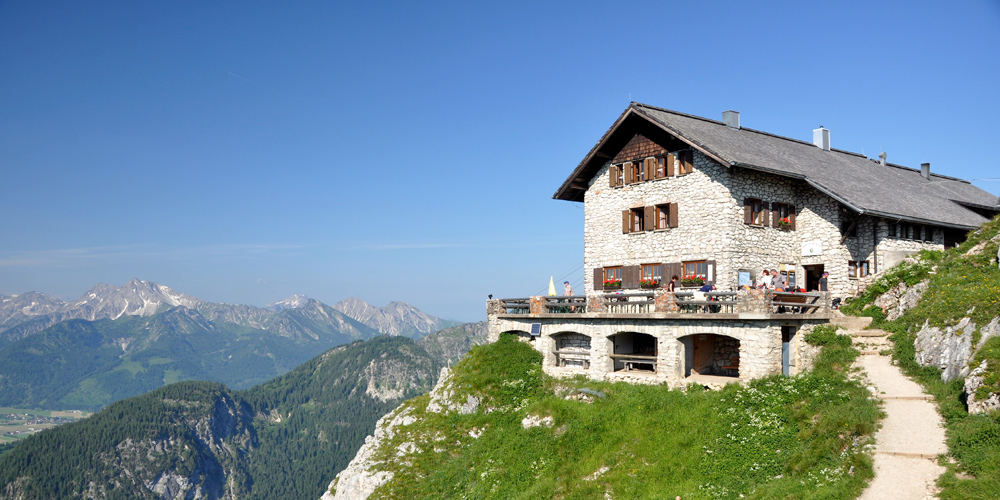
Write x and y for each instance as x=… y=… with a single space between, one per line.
x=667 y=194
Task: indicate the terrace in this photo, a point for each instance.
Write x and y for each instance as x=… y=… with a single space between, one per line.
x=661 y=304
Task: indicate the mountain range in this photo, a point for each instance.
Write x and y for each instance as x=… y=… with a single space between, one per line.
x=116 y=342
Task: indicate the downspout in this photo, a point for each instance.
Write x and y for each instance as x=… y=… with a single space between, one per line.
x=874 y=246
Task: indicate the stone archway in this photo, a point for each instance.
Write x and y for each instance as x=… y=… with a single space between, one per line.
x=633 y=351
x=572 y=350
x=711 y=354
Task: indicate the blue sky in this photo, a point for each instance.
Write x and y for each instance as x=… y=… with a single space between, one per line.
x=245 y=151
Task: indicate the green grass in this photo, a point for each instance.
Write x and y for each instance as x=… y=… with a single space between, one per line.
x=959 y=286
x=780 y=437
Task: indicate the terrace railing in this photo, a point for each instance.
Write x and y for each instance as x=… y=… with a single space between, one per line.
x=661 y=301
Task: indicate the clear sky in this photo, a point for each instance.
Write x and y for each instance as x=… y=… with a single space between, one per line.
x=245 y=151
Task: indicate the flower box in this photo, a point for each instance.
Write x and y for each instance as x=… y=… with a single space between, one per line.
x=644 y=283
x=612 y=284
x=785 y=223
x=692 y=281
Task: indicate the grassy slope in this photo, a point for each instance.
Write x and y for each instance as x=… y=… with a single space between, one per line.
x=780 y=437
x=959 y=284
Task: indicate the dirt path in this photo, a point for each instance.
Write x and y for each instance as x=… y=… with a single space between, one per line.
x=911 y=437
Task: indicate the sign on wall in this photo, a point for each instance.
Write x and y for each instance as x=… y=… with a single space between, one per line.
x=745 y=279
x=812 y=248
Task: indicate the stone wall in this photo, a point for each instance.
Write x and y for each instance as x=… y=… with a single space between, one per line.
x=710 y=227
x=758 y=343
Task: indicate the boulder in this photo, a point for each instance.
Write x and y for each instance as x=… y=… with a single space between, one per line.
x=972 y=384
x=900 y=298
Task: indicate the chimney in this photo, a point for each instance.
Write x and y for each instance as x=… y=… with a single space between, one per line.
x=881 y=158
x=821 y=138
x=925 y=170
x=731 y=119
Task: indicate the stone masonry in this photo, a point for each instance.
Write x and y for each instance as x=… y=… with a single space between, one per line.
x=711 y=227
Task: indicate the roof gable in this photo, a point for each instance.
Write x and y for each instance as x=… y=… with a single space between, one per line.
x=860 y=184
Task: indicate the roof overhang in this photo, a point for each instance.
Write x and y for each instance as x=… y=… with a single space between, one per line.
x=631 y=122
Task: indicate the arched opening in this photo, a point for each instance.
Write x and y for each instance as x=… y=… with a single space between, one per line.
x=711 y=354
x=633 y=351
x=572 y=350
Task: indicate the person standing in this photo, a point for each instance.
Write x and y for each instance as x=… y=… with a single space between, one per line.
x=567 y=289
x=823 y=286
x=778 y=281
x=764 y=282
x=672 y=286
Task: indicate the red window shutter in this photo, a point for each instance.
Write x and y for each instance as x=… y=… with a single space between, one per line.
x=649 y=214
x=672 y=215
x=626 y=221
x=670 y=165
x=747 y=211
x=598 y=278
x=765 y=214
x=791 y=215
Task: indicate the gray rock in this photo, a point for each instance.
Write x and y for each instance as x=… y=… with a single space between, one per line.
x=949 y=349
x=972 y=383
x=900 y=299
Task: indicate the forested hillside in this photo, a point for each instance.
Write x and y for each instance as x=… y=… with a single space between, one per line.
x=277 y=440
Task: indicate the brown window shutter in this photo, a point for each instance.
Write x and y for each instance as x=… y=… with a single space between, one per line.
x=747 y=211
x=710 y=268
x=765 y=215
x=775 y=216
x=791 y=215
x=687 y=158
x=630 y=276
x=650 y=168
x=672 y=215
x=626 y=221
x=670 y=165
x=674 y=269
x=649 y=214
x=598 y=278
x=632 y=173
x=612 y=175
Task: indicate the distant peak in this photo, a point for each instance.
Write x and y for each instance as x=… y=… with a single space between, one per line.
x=292 y=302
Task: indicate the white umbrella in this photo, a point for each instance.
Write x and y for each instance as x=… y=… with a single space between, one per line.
x=552 y=287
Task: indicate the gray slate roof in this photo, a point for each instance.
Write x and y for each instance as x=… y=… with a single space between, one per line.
x=864 y=185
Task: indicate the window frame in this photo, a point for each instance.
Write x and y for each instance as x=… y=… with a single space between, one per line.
x=696 y=263
x=612 y=272
x=756 y=206
x=655 y=272
x=662 y=213
x=637 y=220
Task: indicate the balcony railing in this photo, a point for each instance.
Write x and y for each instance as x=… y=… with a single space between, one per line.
x=662 y=301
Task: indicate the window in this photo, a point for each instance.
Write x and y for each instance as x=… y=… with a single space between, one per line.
x=632 y=172
x=637 y=220
x=612 y=274
x=652 y=275
x=784 y=215
x=754 y=212
x=857 y=269
x=661 y=167
x=666 y=216
x=698 y=268
x=928 y=233
x=640 y=174
x=891 y=229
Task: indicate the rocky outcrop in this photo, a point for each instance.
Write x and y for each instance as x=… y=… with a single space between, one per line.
x=362 y=477
x=450 y=344
x=900 y=299
x=951 y=348
x=972 y=384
